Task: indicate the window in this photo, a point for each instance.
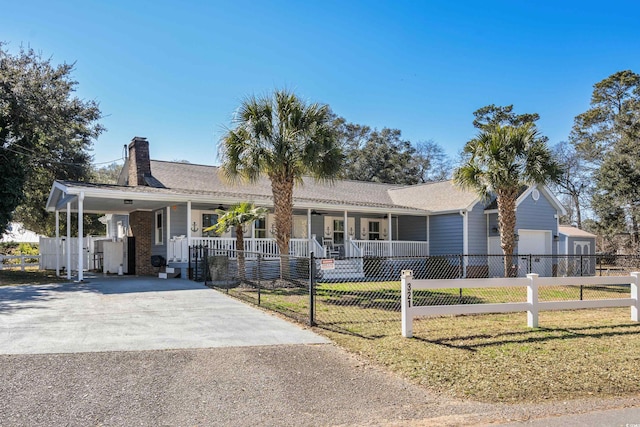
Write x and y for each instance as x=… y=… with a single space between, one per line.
x=338 y=231
x=261 y=228
x=159 y=228
x=374 y=230
x=207 y=221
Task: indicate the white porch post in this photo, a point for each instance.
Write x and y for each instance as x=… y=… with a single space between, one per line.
x=68 y=240
x=168 y=224
x=346 y=233
x=80 y=237
x=189 y=223
x=309 y=232
x=57 y=243
x=389 y=223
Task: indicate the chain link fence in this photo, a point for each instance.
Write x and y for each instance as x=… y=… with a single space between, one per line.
x=350 y=294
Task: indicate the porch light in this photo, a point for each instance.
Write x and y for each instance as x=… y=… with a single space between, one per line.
x=556 y=238
x=272 y=230
x=494 y=229
x=516 y=237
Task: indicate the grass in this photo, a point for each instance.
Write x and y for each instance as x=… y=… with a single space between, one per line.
x=496 y=358
x=31 y=276
x=491 y=358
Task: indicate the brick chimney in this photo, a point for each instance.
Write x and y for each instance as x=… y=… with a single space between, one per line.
x=139 y=162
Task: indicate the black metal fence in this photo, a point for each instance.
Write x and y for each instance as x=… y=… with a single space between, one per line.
x=350 y=294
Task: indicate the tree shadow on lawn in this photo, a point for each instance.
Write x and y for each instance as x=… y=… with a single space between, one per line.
x=532 y=336
x=389 y=299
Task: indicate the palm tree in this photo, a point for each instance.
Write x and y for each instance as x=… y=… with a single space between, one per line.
x=237 y=217
x=500 y=161
x=284 y=138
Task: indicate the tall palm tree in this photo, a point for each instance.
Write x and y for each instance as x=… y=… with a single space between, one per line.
x=237 y=217
x=500 y=161
x=284 y=138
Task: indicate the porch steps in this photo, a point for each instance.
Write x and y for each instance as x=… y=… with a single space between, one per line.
x=168 y=273
x=345 y=269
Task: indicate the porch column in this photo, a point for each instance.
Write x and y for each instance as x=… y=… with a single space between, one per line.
x=346 y=234
x=57 y=243
x=309 y=231
x=68 y=240
x=390 y=227
x=189 y=223
x=80 y=237
x=168 y=224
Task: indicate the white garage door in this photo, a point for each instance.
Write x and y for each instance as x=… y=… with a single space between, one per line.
x=530 y=244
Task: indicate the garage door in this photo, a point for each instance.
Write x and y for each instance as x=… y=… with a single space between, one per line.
x=530 y=244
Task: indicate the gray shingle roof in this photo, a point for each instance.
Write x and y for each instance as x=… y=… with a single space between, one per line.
x=435 y=196
x=209 y=179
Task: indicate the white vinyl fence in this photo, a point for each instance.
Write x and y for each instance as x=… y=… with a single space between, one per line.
x=532 y=306
x=92 y=259
x=25 y=261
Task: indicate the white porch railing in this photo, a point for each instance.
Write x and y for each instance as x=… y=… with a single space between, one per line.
x=178 y=247
x=381 y=248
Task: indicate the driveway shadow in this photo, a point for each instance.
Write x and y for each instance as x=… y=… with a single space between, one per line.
x=18 y=297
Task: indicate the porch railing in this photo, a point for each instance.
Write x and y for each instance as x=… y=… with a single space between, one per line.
x=178 y=247
x=380 y=248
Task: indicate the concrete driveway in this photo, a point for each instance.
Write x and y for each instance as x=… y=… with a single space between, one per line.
x=131 y=313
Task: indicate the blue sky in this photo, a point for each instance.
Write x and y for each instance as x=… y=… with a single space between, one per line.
x=175 y=71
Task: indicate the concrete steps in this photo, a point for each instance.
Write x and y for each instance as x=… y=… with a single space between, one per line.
x=168 y=273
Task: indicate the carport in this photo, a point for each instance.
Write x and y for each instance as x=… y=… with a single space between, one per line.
x=84 y=198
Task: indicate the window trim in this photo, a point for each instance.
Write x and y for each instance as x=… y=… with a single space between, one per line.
x=159 y=227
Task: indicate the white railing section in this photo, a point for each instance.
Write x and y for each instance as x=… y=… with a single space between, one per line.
x=353 y=250
x=316 y=248
x=34 y=261
x=265 y=246
x=532 y=282
x=178 y=249
x=383 y=248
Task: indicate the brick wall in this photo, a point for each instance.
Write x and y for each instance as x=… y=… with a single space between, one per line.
x=141 y=225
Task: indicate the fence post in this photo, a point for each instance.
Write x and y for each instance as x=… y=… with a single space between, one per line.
x=312 y=280
x=406 y=299
x=635 y=308
x=581 y=273
x=532 y=299
x=259 y=277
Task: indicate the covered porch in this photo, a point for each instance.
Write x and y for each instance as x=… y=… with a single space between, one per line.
x=166 y=223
